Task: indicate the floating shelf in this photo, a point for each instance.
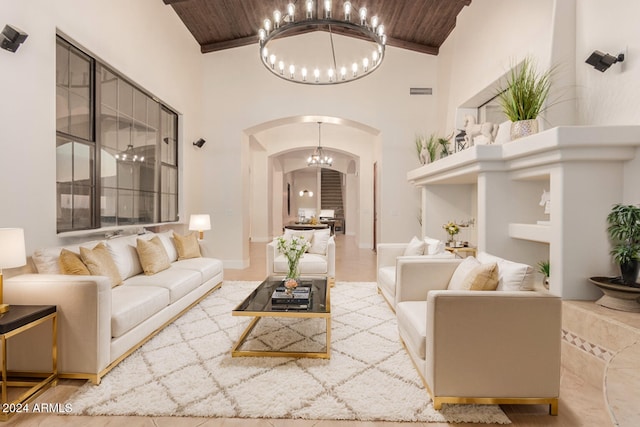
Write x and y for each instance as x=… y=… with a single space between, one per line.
x=531 y=232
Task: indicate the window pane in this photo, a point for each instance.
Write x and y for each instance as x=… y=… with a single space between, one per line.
x=125 y=98
x=62 y=109
x=62 y=65
x=80 y=117
x=169 y=207
x=64 y=206
x=109 y=89
x=82 y=196
x=108 y=207
x=108 y=128
x=147 y=176
x=82 y=161
x=108 y=169
x=125 y=174
x=125 y=207
x=79 y=74
x=146 y=207
x=140 y=106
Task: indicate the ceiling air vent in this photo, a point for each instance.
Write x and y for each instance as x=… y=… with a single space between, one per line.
x=420 y=91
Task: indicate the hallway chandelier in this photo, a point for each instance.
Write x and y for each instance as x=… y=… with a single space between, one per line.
x=129 y=155
x=318 y=157
x=361 y=44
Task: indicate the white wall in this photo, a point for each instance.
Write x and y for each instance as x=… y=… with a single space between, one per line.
x=239 y=94
x=144 y=40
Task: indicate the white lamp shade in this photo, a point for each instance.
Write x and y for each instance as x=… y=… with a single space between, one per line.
x=200 y=222
x=12 y=252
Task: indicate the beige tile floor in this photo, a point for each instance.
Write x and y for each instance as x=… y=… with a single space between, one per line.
x=580 y=404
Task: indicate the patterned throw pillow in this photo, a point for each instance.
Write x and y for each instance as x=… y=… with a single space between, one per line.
x=153 y=256
x=187 y=246
x=99 y=262
x=71 y=263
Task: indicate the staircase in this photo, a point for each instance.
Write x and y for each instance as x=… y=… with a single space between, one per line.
x=331 y=195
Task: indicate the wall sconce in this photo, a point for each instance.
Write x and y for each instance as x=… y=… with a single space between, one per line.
x=12 y=254
x=199 y=143
x=200 y=223
x=12 y=38
x=306 y=193
x=602 y=61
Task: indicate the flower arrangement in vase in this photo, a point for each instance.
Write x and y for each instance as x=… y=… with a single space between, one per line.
x=452 y=229
x=293 y=249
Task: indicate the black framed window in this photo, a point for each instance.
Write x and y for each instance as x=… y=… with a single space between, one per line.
x=117 y=152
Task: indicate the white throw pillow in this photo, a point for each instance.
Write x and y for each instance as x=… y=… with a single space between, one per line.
x=457 y=281
x=512 y=276
x=319 y=242
x=433 y=246
x=166 y=237
x=415 y=247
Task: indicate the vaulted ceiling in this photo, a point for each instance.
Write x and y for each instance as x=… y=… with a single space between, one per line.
x=418 y=25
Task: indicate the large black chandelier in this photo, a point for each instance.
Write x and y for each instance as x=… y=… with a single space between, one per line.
x=291 y=66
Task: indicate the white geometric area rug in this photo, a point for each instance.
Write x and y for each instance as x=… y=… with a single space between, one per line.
x=187 y=369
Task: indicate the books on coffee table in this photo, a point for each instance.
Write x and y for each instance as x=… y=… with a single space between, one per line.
x=298 y=296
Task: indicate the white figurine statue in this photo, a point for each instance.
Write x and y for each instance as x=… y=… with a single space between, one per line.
x=545 y=201
x=488 y=130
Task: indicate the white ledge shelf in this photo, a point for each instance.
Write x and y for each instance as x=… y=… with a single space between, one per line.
x=557 y=145
x=530 y=232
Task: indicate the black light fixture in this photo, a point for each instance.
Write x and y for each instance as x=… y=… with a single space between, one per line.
x=602 y=61
x=199 y=143
x=318 y=158
x=12 y=38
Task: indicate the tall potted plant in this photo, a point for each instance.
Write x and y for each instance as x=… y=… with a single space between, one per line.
x=523 y=97
x=624 y=232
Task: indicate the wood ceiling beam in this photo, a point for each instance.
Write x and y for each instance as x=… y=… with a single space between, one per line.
x=228 y=44
x=416 y=47
x=170 y=2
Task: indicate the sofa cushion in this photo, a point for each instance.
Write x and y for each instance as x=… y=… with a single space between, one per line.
x=412 y=323
x=47 y=260
x=308 y=264
x=99 y=262
x=512 y=276
x=415 y=247
x=483 y=277
x=124 y=254
x=187 y=246
x=207 y=267
x=461 y=272
x=178 y=281
x=153 y=256
x=433 y=246
x=387 y=279
x=132 y=305
x=166 y=237
x=306 y=234
x=320 y=242
x=71 y=263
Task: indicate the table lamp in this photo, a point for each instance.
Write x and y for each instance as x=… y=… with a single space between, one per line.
x=12 y=254
x=200 y=223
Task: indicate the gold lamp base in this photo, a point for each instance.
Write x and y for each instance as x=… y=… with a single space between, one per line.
x=4 y=308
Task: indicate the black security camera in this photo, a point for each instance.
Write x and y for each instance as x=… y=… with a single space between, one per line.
x=199 y=143
x=602 y=61
x=12 y=38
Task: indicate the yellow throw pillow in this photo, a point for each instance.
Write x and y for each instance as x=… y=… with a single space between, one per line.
x=71 y=263
x=187 y=246
x=483 y=277
x=153 y=256
x=99 y=262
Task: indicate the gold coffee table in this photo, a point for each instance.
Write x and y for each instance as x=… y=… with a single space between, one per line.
x=258 y=305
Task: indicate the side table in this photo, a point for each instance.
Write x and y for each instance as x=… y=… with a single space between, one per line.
x=466 y=250
x=18 y=319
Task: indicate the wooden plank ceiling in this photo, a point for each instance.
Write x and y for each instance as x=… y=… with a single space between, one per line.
x=419 y=25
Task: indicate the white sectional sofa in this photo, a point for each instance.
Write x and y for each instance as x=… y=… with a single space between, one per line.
x=404 y=263
x=482 y=346
x=319 y=260
x=100 y=324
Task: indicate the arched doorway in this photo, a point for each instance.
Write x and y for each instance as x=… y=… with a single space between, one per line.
x=277 y=153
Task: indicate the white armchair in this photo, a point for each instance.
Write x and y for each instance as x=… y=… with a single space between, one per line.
x=319 y=260
x=486 y=347
x=393 y=267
